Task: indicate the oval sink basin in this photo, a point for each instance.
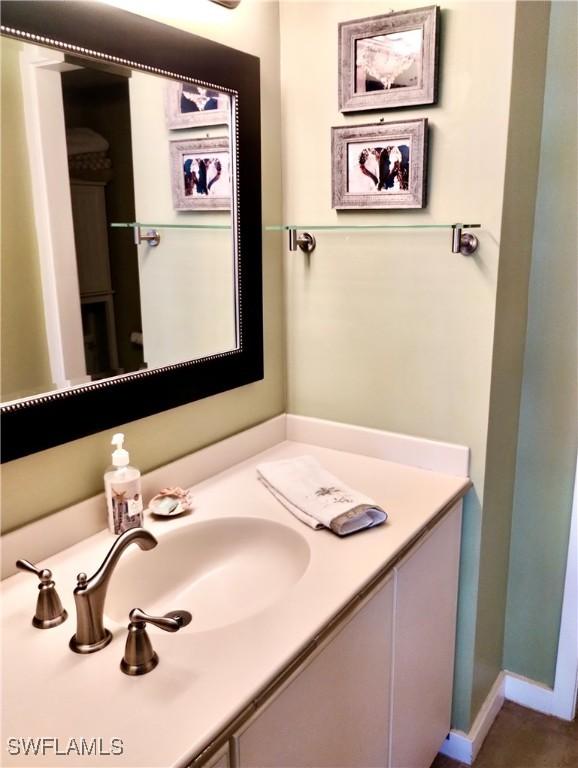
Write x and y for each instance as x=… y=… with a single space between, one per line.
x=222 y=571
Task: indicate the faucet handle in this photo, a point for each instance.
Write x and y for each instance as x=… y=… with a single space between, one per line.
x=170 y=622
x=139 y=656
x=43 y=573
x=49 y=610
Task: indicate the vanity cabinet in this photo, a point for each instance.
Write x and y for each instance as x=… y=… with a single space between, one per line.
x=377 y=692
x=426 y=589
x=336 y=711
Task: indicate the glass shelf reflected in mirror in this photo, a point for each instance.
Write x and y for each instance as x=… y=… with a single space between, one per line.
x=134 y=224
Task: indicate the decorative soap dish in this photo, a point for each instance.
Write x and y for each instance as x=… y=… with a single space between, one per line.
x=171 y=502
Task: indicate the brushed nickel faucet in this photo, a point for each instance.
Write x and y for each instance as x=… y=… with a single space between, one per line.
x=90 y=594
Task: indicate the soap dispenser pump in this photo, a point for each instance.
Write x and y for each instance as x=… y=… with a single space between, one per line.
x=123 y=490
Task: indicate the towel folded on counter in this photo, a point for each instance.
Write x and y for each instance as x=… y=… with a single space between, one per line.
x=317 y=497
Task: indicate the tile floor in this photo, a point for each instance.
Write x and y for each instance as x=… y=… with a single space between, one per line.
x=522 y=738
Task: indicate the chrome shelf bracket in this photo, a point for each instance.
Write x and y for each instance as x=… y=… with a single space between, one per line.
x=152 y=237
x=464 y=242
x=306 y=241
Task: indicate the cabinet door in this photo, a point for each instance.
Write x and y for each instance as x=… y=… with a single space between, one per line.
x=423 y=654
x=336 y=711
x=220 y=760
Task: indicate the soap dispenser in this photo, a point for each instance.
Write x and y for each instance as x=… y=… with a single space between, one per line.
x=123 y=490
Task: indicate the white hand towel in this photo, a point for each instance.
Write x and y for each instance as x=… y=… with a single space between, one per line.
x=317 y=497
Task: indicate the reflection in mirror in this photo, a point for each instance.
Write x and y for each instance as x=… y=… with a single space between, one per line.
x=87 y=151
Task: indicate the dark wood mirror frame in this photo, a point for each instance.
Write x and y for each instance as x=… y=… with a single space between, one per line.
x=42 y=422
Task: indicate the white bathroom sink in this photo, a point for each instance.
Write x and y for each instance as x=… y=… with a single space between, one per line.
x=222 y=571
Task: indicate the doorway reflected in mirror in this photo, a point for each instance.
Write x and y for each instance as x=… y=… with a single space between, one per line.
x=87 y=145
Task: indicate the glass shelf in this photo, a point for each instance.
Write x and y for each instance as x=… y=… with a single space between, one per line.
x=134 y=224
x=358 y=227
x=300 y=235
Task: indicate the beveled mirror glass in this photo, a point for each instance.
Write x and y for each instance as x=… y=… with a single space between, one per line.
x=131 y=282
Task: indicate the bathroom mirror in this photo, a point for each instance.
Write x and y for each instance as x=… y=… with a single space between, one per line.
x=127 y=121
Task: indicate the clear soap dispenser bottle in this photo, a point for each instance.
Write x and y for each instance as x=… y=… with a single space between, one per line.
x=123 y=491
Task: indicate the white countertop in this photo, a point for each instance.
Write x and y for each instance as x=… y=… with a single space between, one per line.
x=205 y=678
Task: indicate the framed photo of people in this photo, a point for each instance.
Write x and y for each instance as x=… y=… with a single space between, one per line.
x=201 y=174
x=382 y=165
x=389 y=61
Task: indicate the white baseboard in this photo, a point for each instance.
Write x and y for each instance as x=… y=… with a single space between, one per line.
x=529 y=693
x=533 y=695
x=464 y=747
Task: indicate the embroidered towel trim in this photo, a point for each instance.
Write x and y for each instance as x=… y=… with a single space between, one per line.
x=317 y=497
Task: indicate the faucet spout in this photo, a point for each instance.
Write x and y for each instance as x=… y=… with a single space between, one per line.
x=90 y=594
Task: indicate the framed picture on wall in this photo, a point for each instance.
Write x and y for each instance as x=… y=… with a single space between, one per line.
x=389 y=61
x=383 y=165
x=201 y=174
x=188 y=105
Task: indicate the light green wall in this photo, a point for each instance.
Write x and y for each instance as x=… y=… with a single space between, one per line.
x=24 y=353
x=393 y=330
x=547 y=442
x=56 y=478
x=526 y=104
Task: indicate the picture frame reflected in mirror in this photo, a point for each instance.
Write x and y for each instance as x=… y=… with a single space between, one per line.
x=191 y=105
x=201 y=174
